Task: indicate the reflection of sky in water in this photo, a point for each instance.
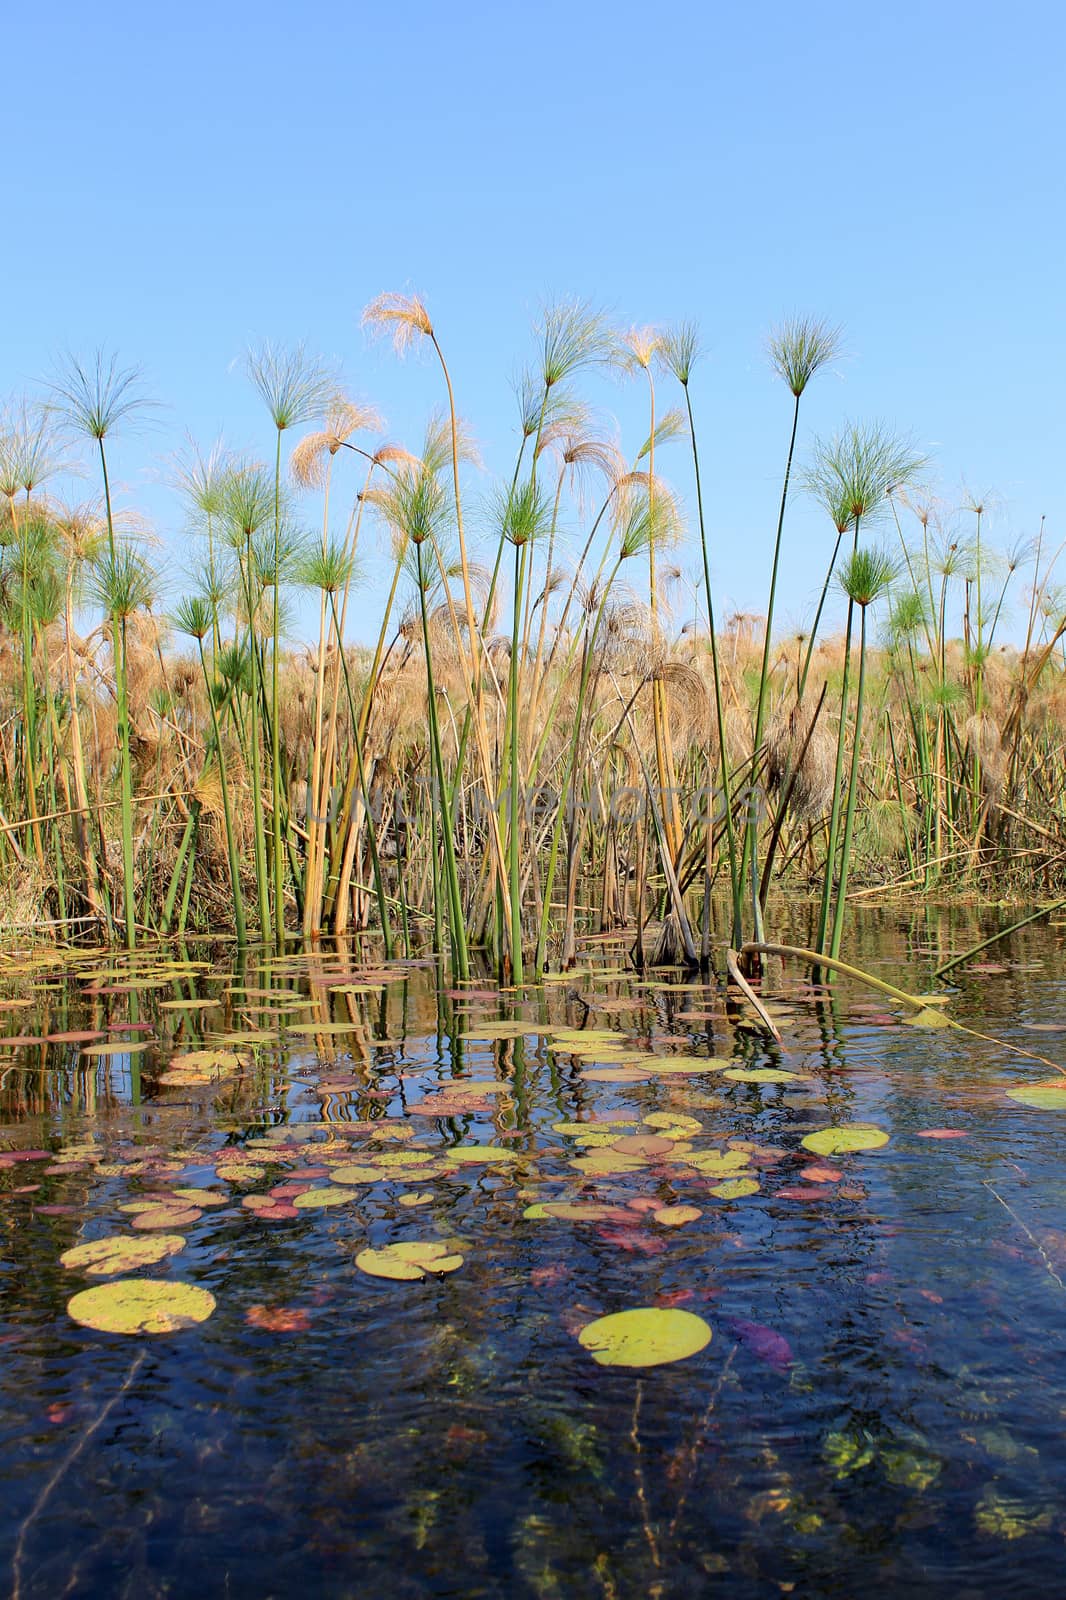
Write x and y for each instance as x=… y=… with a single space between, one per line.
x=879 y=1408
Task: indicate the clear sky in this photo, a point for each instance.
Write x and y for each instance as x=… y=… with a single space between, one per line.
x=184 y=180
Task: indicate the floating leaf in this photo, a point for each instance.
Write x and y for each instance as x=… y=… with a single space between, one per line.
x=843 y=1140
x=413 y=1259
x=1044 y=1096
x=402 y=1158
x=202 y=1066
x=580 y=1210
x=121 y=1253
x=648 y=1145
x=358 y=1174
x=604 y=1163
x=677 y=1216
x=927 y=1017
x=461 y=1153
x=127 y=1047
x=141 y=1305
x=684 y=1065
x=167 y=1217
x=500 y=1030
x=713 y=1163
x=312 y=1029
x=761 y=1075
x=672 y=1123
x=579 y=1130
x=475 y=1086
x=423 y=1199
x=331 y=1195
x=736 y=1188
x=200 y=1197
x=649 y=1336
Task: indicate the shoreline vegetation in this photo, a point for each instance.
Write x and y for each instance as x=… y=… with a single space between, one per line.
x=533 y=747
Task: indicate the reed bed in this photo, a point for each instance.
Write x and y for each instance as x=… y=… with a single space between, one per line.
x=531 y=745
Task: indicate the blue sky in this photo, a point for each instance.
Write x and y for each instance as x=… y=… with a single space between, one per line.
x=183 y=181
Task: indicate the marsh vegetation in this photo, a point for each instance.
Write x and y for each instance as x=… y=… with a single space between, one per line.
x=553 y=727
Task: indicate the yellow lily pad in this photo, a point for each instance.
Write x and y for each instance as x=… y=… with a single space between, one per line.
x=402 y=1158
x=677 y=1216
x=761 y=1075
x=716 y=1163
x=355 y=1174
x=413 y=1259
x=330 y=1195
x=141 y=1305
x=121 y=1253
x=649 y=1336
x=462 y=1153
x=669 y=1121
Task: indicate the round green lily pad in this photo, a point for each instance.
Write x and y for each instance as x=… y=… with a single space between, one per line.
x=735 y=1188
x=1044 y=1096
x=842 y=1141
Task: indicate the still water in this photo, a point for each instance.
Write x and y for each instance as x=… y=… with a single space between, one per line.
x=879 y=1409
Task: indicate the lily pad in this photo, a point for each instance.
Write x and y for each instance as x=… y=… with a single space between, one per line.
x=402 y=1158
x=677 y=1216
x=672 y=1123
x=121 y=1253
x=649 y=1336
x=501 y=1030
x=648 y=1145
x=331 y=1195
x=716 y=1163
x=1043 y=1096
x=761 y=1075
x=413 y=1259
x=163 y=1217
x=736 y=1188
x=844 y=1140
x=141 y=1305
x=463 y=1153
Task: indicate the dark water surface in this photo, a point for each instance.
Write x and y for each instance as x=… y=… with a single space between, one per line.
x=881 y=1408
